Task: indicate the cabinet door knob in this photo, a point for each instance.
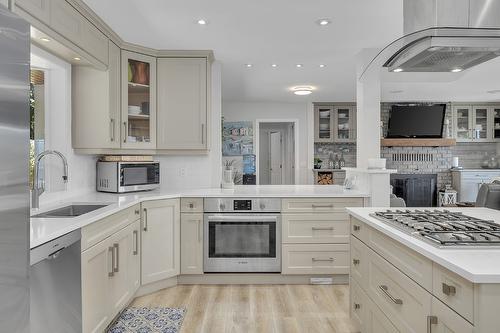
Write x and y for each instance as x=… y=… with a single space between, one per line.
x=431 y=320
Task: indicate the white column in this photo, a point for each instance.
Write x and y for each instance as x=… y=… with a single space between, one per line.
x=368 y=109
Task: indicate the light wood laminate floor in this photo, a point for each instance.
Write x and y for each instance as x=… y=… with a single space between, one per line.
x=257 y=308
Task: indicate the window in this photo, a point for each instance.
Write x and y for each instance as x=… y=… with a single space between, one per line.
x=37 y=119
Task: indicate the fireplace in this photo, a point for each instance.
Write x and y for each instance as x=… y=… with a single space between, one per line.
x=417 y=190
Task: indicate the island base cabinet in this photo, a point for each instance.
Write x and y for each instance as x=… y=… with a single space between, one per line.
x=366 y=317
x=160 y=240
x=191 y=243
x=445 y=320
x=108 y=271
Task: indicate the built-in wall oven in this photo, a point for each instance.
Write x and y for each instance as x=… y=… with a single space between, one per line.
x=242 y=235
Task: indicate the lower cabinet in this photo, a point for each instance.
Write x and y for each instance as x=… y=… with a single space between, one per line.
x=315 y=259
x=160 y=240
x=109 y=277
x=444 y=320
x=191 y=243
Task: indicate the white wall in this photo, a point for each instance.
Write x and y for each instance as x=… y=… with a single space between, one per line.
x=250 y=111
x=188 y=172
x=58 y=131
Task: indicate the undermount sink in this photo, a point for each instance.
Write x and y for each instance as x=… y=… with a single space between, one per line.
x=70 y=211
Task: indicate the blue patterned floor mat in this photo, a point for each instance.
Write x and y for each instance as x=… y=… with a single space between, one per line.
x=149 y=320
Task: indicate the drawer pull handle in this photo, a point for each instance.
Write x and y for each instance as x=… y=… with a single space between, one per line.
x=136 y=212
x=385 y=290
x=145 y=219
x=322 y=206
x=191 y=205
x=357 y=306
x=449 y=290
x=116 y=269
x=431 y=320
x=317 y=228
x=136 y=242
x=356 y=227
x=355 y=261
x=112 y=272
x=324 y=259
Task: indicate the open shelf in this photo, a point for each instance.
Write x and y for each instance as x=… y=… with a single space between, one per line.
x=418 y=142
x=138 y=116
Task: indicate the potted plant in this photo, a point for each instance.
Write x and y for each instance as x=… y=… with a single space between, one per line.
x=317 y=163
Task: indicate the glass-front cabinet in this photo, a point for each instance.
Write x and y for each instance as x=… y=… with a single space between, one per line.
x=345 y=124
x=334 y=123
x=323 y=123
x=496 y=123
x=138 y=101
x=476 y=123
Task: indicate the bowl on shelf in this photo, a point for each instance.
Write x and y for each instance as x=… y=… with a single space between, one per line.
x=134 y=110
x=324 y=114
x=324 y=127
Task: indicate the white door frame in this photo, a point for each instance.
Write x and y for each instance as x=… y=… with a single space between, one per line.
x=295 y=123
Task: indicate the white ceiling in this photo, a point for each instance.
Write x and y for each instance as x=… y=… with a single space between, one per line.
x=264 y=32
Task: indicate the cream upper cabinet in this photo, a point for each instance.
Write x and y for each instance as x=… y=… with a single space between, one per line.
x=191 y=243
x=37 y=8
x=138 y=128
x=182 y=104
x=65 y=20
x=96 y=104
x=160 y=238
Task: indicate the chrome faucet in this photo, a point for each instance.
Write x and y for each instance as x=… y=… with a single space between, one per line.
x=39 y=189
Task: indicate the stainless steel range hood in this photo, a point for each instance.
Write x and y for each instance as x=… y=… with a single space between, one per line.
x=446 y=35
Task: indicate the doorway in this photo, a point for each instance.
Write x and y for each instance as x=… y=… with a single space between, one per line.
x=276 y=152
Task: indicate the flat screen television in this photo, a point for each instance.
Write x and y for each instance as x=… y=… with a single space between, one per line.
x=416 y=121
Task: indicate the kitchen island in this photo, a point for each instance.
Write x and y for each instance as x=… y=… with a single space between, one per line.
x=400 y=282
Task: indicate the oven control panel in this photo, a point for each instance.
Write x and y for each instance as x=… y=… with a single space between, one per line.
x=242 y=205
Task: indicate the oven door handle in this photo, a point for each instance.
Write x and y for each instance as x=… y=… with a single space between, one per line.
x=239 y=218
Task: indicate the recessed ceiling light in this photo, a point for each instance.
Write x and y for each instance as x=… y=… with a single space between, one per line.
x=322 y=66
x=302 y=90
x=456 y=70
x=395 y=91
x=248 y=65
x=77 y=58
x=323 y=22
x=298 y=65
x=397 y=70
x=274 y=65
x=45 y=39
x=496 y=91
x=202 y=22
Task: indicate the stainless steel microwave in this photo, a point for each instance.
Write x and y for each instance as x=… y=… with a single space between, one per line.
x=122 y=177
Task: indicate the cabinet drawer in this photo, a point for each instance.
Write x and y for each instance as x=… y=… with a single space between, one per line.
x=359 y=261
x=360 y=230
x=191 y=205
x=398 y=296
x=417 y=267
x=365 y=315
x=324 y=205
x=99 y=230
x=454 y=291
x=315 y=259
x=315 y=228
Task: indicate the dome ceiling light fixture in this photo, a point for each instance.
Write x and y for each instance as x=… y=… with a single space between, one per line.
x=302 y=90
x=323 y=22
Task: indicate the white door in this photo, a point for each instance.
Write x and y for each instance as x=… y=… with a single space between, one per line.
x=160 y=240
x=275 y=160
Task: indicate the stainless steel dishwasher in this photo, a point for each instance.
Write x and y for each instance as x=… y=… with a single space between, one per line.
x=55 y=285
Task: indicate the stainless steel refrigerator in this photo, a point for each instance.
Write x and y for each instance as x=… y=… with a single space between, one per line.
x=14 y=190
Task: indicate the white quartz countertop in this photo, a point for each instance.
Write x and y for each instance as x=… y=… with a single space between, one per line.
x=43 y=230
x=476 y=265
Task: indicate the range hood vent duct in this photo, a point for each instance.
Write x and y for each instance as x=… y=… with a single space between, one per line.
x=434 y=53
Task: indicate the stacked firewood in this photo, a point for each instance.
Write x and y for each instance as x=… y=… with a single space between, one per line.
x=324 y=179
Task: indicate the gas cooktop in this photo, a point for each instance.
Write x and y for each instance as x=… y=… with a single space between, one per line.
x=442 y=228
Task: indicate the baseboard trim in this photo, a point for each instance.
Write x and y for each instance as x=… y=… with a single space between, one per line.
x=155 y=286
x=216 y=278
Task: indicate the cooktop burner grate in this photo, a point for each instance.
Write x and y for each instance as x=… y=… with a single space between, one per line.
x=443 y=228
